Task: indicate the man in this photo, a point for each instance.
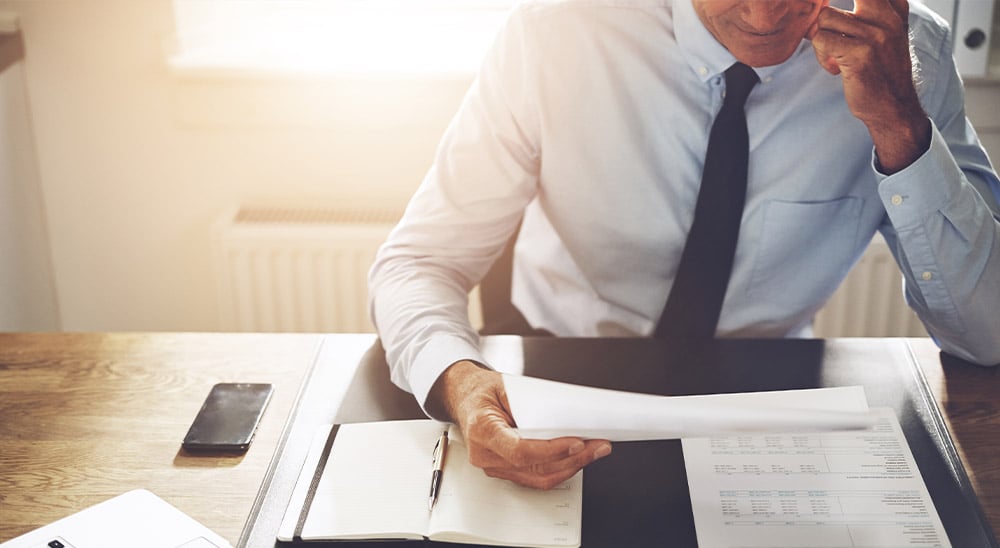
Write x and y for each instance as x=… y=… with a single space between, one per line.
x=591 y=119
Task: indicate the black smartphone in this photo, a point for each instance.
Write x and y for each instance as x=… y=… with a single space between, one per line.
x=227 y=420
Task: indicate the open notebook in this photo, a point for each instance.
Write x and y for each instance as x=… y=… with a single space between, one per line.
x=372 y=481
x=134 y=519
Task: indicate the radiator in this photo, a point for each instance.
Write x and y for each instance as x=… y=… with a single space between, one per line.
x=295 y=270
x=870 y=301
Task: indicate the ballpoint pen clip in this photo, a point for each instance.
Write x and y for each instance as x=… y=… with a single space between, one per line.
x=437 y=453
x=440 y=450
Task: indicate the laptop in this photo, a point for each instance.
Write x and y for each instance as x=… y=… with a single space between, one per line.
x=135 y=518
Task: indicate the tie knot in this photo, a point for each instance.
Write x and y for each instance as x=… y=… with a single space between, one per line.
x=740 y=79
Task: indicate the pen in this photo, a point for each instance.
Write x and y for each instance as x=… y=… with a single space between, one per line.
x=440 y=450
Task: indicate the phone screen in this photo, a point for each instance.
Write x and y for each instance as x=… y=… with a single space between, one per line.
x=228 y=418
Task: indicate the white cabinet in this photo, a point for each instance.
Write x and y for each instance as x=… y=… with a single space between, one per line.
x=974 y=28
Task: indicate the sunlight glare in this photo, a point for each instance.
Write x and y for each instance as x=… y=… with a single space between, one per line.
x=324 y=37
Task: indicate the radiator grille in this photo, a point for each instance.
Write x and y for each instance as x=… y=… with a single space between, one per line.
x=297 y=270
x=870 y=301
x=305 y=270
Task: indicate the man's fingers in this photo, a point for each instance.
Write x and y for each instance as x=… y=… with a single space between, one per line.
x=902 y=8
x=478 y=401
x=541 y=464
x=837 y=22
x=546 y=475
x=825 y=45
x=507 y=448
x=493 y=430
x=533 y=452
x=846 y=41
x=875 y=9
x=813 y=29
x=530 y=479
x=567 y=453
x=828 y=63
x=866 y=21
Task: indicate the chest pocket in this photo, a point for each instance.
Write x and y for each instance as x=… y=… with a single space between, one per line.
x=805 y=249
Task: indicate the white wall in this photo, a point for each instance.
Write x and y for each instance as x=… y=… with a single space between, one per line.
x=27 y=296
x=136 y=162
x=981 y=100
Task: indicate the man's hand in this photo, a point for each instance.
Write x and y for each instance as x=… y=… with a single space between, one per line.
x=870 y=49
x=475 y=399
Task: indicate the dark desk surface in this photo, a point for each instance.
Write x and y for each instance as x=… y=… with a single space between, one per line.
x=84 y=417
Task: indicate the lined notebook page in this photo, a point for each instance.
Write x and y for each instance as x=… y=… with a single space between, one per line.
x=376 y=481
x=474 y=506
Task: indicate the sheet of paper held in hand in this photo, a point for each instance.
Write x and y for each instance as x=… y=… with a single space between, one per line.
x=546 y=409
x=859 y=488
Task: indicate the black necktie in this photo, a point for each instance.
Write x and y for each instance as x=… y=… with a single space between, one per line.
x=692 y=309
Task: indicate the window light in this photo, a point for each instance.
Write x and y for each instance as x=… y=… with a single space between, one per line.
x=324 y=36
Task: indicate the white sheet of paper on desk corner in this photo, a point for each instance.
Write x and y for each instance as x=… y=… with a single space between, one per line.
x=544 y=409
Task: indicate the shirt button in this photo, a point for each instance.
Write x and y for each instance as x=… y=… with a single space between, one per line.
x=896 y=199
x=768 y=79
x=926 y=276
x=702 y=70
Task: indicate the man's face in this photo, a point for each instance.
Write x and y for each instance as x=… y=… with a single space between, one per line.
x=759 y=33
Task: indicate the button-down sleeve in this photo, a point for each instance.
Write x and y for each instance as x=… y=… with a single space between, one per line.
x=484 y=174
x=943 y=224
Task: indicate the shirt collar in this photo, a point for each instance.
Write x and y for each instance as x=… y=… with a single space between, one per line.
x=704 y=54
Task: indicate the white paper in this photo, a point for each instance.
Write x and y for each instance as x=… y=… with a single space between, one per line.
x=811 y=490
x=384 y=490
x=544 y=409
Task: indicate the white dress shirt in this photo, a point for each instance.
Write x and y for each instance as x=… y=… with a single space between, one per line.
x=591 y=117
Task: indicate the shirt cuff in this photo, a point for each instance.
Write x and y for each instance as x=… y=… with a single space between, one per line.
x=925 y=187
x=437 y=355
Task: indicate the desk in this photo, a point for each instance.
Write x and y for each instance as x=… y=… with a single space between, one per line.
x=84 y=417
x=969 y=400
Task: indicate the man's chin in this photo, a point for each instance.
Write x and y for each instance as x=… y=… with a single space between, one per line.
x=764 y=56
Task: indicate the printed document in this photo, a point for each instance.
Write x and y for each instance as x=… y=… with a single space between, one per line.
x=831 y=489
